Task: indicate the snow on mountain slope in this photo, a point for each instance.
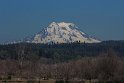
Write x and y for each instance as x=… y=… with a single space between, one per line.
x=61 y=33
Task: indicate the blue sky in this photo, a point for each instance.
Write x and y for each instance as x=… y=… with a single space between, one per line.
x=103 y=19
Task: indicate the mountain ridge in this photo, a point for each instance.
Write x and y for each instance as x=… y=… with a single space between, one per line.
x=61 y=32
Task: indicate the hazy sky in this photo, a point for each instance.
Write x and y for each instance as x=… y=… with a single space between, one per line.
x=103 y=19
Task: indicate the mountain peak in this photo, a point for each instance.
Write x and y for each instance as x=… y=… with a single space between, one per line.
x=61 y=32
x=53 y=24
x=63 y=24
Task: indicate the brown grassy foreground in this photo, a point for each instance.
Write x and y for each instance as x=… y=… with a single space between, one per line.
x=55 y=81
x=27 y=81
x=47 y=81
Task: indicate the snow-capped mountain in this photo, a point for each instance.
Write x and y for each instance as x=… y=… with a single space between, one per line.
x=61 y=33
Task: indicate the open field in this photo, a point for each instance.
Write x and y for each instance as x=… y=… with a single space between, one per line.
x=55 y=81
x=27 y=81
x=47 y=81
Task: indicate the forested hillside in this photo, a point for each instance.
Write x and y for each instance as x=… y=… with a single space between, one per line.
x=60 y=52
